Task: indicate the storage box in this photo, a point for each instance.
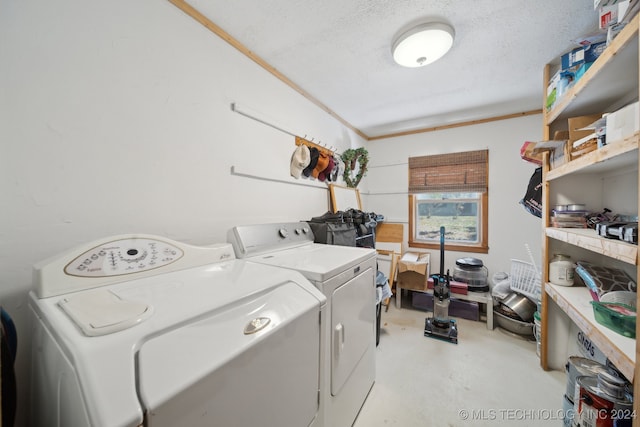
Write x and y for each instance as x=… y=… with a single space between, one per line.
x=623 y=123
x=581 y=142
x=598 y=3
x=584 y=146
x=577 y=123
x=558 y=148
x=579 y=344
x=552 y=91
x=559 y=156
x=457 y=308
x=612 y=13
x=413 y=271
x=582 y=69
x=561 y=81
x=527 y=153
x=620 y=318
x=582 y=55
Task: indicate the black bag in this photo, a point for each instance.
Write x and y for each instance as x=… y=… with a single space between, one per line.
x=337 y=217
x=330 y=233
x=532 y=200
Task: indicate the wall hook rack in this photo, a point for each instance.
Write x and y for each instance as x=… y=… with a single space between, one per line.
x=321 y=147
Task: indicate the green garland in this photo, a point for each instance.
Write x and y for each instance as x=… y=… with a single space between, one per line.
x=350 y=158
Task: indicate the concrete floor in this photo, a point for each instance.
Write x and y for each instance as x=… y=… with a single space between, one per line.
x=489 y=378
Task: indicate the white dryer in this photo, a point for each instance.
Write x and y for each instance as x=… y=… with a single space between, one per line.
x=140 y=330
x=346 y=276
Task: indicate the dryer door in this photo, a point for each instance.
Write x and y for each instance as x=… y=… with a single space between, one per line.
x=255 y=363
x=352 y=326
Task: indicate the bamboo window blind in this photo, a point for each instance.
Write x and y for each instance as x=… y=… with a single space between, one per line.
x=465 y=172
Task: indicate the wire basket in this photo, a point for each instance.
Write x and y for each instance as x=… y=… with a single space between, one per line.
x=525 y=279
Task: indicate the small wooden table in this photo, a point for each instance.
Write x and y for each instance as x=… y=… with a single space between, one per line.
x=479 y=297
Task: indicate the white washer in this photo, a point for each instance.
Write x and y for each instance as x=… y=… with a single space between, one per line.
x=141 y=330
x=346 y=276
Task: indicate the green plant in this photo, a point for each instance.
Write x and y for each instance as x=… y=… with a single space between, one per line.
x=352 y=158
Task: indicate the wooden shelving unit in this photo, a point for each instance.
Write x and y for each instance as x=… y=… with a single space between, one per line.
x=614 y=156
x=588 y=239
x=575 y=301
x=613 y=79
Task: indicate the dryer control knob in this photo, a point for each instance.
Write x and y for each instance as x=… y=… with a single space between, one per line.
x=283 y=232
x=298 y=231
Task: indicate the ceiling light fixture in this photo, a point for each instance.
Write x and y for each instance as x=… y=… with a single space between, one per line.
x=423 y=44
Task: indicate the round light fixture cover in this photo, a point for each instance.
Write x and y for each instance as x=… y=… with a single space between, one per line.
x=423 y=44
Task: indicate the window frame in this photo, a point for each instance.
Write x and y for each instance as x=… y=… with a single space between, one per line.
x=452 y=160
x=481 y=247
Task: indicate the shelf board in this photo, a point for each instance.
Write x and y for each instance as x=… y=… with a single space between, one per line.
x=611 y=77
x=588 y=239
x=575 y=302
x=611 y=157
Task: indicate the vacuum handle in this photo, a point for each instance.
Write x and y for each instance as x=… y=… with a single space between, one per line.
x=442 y=250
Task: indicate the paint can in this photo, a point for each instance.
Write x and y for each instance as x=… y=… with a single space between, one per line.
x=602 y=401
x=579 y=366
x=568 y=413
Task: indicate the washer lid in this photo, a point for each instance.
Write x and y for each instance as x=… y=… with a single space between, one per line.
x=102 y=312
x=317 y=262
x=212 y=372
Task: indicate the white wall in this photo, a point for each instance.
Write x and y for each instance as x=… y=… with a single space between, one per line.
x=510 y=226
x=115 y=118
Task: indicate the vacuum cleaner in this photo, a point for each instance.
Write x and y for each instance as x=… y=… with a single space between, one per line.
x=440 y=326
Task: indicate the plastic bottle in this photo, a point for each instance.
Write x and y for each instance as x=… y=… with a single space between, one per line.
x=561 y=270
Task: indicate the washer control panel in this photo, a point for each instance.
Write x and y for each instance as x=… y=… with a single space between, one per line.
x=251 y=240
x=124 y=256
x=121 y=258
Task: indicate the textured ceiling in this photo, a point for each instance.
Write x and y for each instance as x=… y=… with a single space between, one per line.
x=339 y=52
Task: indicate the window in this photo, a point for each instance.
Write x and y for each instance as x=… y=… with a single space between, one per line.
x=449 y=190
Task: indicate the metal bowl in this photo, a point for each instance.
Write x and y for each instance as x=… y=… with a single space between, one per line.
x=512 y=325
x=520 y=305
x=506 y=311
x=576 y=207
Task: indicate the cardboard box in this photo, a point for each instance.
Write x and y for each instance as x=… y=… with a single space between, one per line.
x=557 y=148
x=552 y=91
x=623 y=123
x=584 y=146
x=560 y=155
x=582 y=69
x=577 y=123
x=612 y=13
x=528 y=153
x=582 y=55
x=413 y=271
x=598 y=3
